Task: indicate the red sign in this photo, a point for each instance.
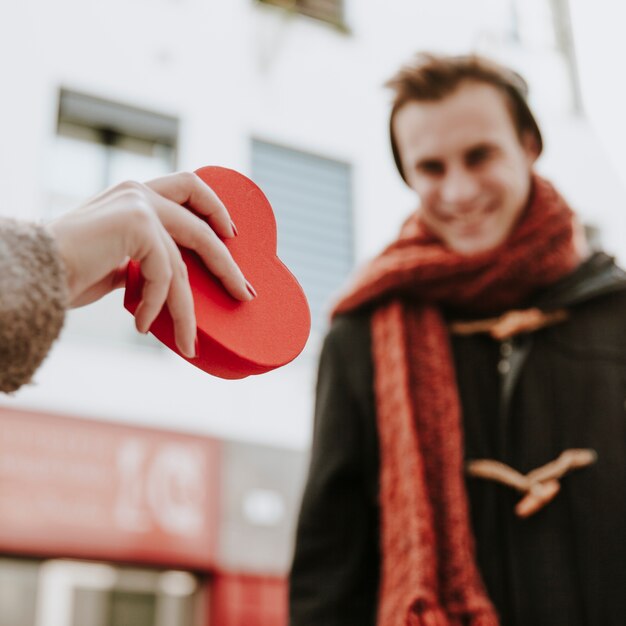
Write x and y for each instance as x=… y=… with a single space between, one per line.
x=240 y=600
x=79 y=488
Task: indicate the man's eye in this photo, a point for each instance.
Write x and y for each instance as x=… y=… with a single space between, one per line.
x=478 y=156
x=430 y=167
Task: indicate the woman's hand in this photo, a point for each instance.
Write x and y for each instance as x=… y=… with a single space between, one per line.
x=144 y=222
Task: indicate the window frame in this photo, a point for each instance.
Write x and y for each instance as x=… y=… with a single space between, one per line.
x=314 y=9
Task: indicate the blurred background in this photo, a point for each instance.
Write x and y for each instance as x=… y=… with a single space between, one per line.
x=134 y=489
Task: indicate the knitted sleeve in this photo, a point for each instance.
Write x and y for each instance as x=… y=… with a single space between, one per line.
x=33 y=298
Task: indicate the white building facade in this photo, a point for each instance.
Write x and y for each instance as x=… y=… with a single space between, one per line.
x=229 y=84
x=95 y=93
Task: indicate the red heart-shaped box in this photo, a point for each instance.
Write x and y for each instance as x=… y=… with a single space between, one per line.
x=237 y=339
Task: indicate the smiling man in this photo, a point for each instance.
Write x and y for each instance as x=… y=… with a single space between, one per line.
x=468 y=463
x=468 y=165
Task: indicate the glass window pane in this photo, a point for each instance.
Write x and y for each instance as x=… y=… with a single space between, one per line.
x=131 y=608
x=75 y=171
x=125 y=165
x=90 y=607
x=18 y=592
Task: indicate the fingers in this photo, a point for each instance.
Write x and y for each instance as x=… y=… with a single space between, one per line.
x=166 y=195
x=165 y=280
x=145 y=223
x=194 y=233
x=157 y=273
x=189 y=189
x=180 y=302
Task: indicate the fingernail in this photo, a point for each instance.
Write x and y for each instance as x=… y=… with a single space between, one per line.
x=143 y=327
x=232 y=224
x=251 y=289
x=193 y=353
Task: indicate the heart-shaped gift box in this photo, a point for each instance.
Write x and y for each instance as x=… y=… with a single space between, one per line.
x=237 y=339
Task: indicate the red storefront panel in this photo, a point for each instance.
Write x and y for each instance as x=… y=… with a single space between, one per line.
x=80 y=488
x=245 y=600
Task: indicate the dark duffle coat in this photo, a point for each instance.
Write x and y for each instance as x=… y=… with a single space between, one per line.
x=524 y=401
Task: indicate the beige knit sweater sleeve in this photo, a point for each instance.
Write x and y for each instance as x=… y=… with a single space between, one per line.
x=33 y=297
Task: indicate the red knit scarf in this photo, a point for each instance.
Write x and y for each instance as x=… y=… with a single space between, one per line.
x=429 y=576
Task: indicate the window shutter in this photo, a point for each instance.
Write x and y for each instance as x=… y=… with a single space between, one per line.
x=311 y=197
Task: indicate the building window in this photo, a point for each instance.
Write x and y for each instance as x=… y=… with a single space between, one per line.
x=18 y=592
x=81 y=593
x=330 y=11
x=97 y=144
x=311 y=197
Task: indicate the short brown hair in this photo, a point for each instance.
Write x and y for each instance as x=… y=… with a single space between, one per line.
x=431 y=77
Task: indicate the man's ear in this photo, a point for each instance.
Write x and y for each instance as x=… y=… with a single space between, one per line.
x=531 y=146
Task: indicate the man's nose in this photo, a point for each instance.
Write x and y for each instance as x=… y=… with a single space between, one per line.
x=459 y=187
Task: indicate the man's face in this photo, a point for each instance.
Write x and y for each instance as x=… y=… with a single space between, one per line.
x=464 y=159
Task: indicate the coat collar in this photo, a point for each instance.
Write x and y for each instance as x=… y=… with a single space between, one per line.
x=597 y=276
